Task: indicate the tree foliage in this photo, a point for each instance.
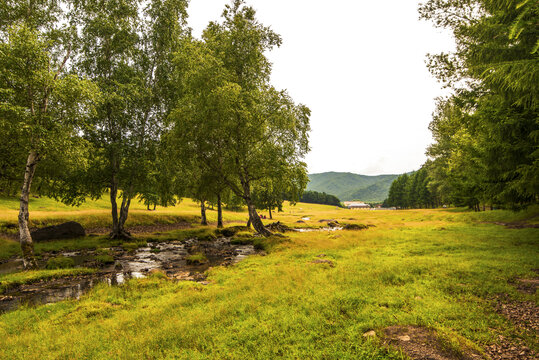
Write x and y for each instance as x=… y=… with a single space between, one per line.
x=315 y=197
x=486 y=134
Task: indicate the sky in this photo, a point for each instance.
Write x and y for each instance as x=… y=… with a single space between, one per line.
x=360 y=67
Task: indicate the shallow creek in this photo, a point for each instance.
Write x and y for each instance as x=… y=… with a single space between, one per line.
x=171 y=258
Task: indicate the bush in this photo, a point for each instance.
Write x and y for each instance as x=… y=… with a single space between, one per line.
x=60 y=262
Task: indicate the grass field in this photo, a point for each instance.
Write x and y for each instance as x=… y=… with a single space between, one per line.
x=440 y=269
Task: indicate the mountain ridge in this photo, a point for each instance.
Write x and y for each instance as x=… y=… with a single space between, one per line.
x=350 y=186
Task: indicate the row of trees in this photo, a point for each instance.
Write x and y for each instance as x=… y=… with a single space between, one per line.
x=486 y=134
x=411 y=191
x=315 y=197
x=117 y=97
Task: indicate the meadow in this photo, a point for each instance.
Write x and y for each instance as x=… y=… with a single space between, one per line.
x=316 y=295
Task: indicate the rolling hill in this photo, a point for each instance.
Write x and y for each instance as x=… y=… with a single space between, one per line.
x=348 y=186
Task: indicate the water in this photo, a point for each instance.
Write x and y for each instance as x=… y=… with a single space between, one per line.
x=319 y=229
x=168 y=257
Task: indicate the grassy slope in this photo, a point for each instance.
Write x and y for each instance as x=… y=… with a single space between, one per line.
x=348 y=186
x=96 y=213
x=426 y=267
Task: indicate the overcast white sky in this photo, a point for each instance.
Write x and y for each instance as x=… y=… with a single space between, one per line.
x=360 y=67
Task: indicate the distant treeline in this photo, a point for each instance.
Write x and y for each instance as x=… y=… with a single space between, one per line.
x=315 y=197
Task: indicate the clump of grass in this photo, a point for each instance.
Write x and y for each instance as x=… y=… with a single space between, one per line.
x=155 y=251
x=93 y=242
x=260 y=243
x=103 y=251
x=196 y=259
x=104 y=259
x=27 y=277
x=232 y=230
x=134 y=245
x=60 y=262
x=243 y=238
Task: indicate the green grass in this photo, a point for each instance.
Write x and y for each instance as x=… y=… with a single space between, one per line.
x=434 y=268
x=28 y=277
x=9 y=248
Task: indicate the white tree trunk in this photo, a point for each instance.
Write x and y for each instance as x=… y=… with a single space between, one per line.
x=27 y=246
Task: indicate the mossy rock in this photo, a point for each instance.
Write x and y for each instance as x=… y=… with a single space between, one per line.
x=196 y=259
x=104 y=259
x=60 y=262
x=231 y=230
x=355 y=227
x=244 y=238
x=208 y=236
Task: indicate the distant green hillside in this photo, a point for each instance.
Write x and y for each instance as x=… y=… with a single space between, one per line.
x=348 y=186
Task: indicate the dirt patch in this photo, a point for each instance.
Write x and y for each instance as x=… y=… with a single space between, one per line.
x=144 y=229
x=528 y=286
x=323 y=261
x=421 y=343
x=529 y=222
x=510 y=349
x=524 y=314
x=518 y=225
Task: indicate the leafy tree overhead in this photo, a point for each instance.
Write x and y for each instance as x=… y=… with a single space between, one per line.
x=127 y=49
x=231 y=120
x=43 y=104
x=487 y=132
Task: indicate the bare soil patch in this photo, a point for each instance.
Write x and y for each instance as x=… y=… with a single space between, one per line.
x=143 y=229
x=510 y=349
x=420 y=343
x=528 y=286
x=524 y=314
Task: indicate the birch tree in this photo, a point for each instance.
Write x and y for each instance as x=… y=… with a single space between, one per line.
x=230 y=118
x=43 y=105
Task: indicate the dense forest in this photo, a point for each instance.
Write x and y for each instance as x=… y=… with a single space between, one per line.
x=315 y=197
x=486 y=134
x=117 y=98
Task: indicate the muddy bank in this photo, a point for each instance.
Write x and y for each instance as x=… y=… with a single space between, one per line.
x=186 y=260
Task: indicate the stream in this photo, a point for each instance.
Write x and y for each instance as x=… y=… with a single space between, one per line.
x=170 y=258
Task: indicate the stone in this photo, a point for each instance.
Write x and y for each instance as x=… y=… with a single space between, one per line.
x=355 y=227
x=404 y=338
x=323 y=261
x=68 y=230
x=370 y=334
